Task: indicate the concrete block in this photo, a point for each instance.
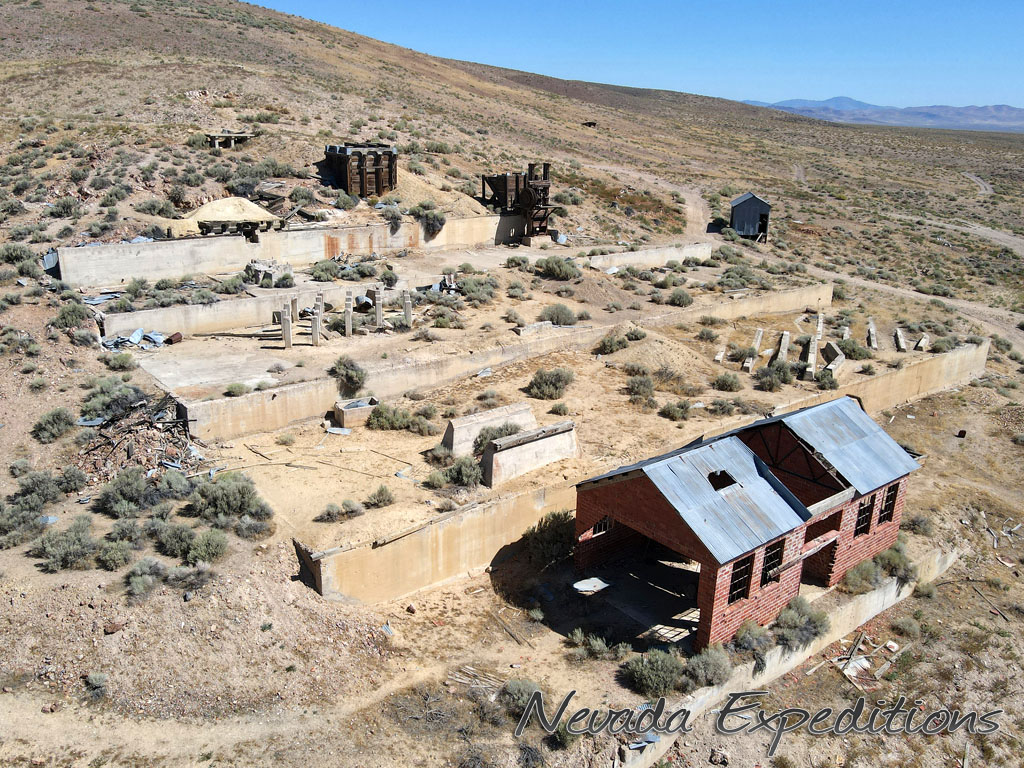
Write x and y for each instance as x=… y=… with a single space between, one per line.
x=407 y=308
x=812 y=359
x=922 y=343
x=314 y=328
x=354 y=412
x=846 y=332
x=820 y=327
x=833 y=356
x=872 y=334
x=286 y=328
x=462 y=432
x=720 y=355
x=295 y=306
x=783 y=353
x=901 y=342
x=509 y=457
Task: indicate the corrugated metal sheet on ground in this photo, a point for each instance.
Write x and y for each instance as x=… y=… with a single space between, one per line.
x=736 y=519
x=852 y=442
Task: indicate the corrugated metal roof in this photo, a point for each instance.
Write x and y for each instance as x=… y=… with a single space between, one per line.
x=852 y=442
x=734 y=520
x=746 y=196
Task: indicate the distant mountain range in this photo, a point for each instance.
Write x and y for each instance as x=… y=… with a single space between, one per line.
x=842 y=109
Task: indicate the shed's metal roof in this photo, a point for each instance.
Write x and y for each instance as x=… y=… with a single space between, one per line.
x=747 y=196
x=737 y=519
x=852 y=442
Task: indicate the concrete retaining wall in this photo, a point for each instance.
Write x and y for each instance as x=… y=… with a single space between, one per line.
x=221 y=419
x=852 y=613
x=509 y=457
x=447 y=547
x=110 y=265
x=462 y=432
x=651 y=257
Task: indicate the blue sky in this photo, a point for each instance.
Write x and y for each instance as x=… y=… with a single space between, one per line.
x=898 y=53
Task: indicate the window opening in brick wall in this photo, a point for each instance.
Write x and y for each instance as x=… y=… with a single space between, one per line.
x=603 y=525
x=864 y=511
x=739 y=587
x=889 y=505
x=772 y=560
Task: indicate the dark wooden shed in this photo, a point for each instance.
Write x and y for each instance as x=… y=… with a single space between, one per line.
x=363 y=169
x=749 y=216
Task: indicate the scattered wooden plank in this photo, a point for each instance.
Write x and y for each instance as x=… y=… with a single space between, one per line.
x=853 y=652
x=993 y=605
x=512 y=633
x=256 y=451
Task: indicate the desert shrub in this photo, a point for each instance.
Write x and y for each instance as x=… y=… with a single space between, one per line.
x=516 y=695
x=465 y=472
x=711 y=666
x=706 y=334
x=853 y=350
x=15 y=253
x=919 y=524
x=110 y=398
x=230 y=500
x=558 y=314
x=388 y=417
x=71 y=479
x=862 y=578
x=207 y=547
x=907 y=627
x=610 y=343
x=127 y=530
x=19 y=467
x=767 y=380
x=680 y=298
x=562 y=739
x=518 y=262
x=825 y=379
x=236 y=389
x=636 y=334
x=727 y=382
x=944 y=344
x=559 y=409
x=926 y=591
x=144 y=576
x=556 y=268
x=175 y=539
x=285 y=438
x=114 y=555
x=53 y=425
x=435 y=480
x=83 y=338
x=751 y=636
x=71 y=548
x=193 y=578
x=798 y=624
x=35 y=491
x=122 y=361
x=71 y=315
x=677 y=411
x=653 y=674
x=382 y=497
x=349 y=373
x=511 y=316
x=550 y=384
x=493 y=433
x=551 y=538
x=895 y=563
x=640 y=388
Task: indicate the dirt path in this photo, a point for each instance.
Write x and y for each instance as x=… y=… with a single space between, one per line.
x=984 y=188
x=698 y=213
x=28 y=732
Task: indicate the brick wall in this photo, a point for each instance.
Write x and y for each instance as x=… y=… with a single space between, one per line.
x=762 y=603
x=849 y=550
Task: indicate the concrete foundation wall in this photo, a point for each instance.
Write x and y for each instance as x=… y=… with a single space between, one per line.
x=221 y=419
x=651 y=257
x=110 y=265
x=510 y=457
x=912 y=381
x=448 y=547
x=462 y=432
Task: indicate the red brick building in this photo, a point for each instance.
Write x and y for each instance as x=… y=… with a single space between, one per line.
x=802 y=496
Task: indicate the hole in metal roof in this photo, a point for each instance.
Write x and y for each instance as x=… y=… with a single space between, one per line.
x=720 y=480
